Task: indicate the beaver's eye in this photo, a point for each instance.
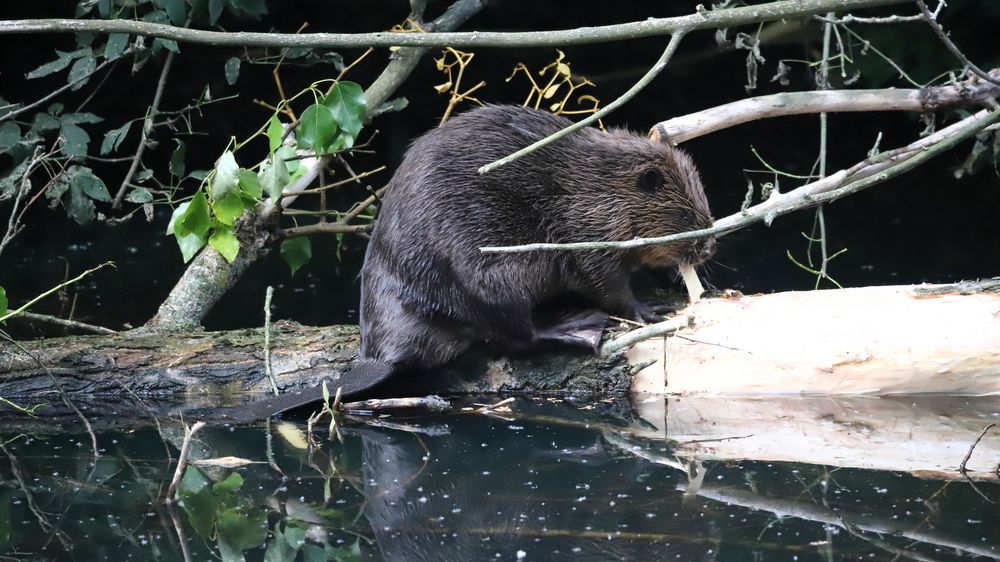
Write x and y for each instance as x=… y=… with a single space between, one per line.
x=651 y=180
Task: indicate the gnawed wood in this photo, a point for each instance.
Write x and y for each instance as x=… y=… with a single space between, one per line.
x=871 y=340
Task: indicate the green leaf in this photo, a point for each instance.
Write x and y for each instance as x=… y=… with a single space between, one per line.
x=288 y=155
x=195 y=219
x=175 y=10
x=274 y=176
x=74 y=139
x=214 y=10
x=226 y=176
x=113 y=138
x=167 y=44
x=296 y=252
x=313 y=553
x=44 y=122
x=139 y=195
x=78 y=118
x=229 y=208
x=232 y=483
x=79 y=207
x=232 y=70
x=250 y=184
x=278 y=549
x=177 y=159
x=3 y=302
x=81 y=70
x=225 y=242
x=295 y=536
x=198 y=501
x=252 y=8
x=242 y=530
x=10 y=134
x=117 y=42
x=63 y=60
x=190 y=244
x=83 y=178
x=317 y=127
x=274 y=133
x=347 y=102
x=192 y=481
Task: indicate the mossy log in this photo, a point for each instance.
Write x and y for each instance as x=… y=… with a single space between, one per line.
x=212 y=369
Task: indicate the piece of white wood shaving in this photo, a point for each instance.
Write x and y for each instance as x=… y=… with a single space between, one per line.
x=692 y=282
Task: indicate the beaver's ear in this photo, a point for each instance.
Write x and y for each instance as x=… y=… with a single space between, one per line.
x=651 y=180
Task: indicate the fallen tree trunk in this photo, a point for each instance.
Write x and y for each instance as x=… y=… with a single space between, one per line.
x=941 y=339
x=212 y=369
x=875 y=340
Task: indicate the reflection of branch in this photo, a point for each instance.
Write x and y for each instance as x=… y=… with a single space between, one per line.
x=965 y=473
x=862 y=175
x=40 y=515
x=703 y=19
x=841 y=518
x=182 y=460
x=694 y=125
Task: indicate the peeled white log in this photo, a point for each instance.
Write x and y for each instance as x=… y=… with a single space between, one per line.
x=870 y=340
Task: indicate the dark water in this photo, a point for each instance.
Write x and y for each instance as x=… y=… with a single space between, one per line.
x=546 y=481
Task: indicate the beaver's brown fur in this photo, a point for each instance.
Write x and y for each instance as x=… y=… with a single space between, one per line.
x=427 y=292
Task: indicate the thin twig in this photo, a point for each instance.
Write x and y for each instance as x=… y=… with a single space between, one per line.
x=182 y=460
x=57 y=91
x=657 y=67
x=267 y=339
x=63 y=323
x=939 y=31
x=32 y=302
x=147 y=126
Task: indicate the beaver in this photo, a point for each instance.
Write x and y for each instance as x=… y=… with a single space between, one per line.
x=428 y=292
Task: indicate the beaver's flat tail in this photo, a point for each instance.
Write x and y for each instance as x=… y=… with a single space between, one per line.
x=365 y=374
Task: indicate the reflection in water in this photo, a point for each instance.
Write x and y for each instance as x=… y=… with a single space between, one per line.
x=544 y=482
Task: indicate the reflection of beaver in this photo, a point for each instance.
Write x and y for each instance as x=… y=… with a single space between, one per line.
x=427 y=292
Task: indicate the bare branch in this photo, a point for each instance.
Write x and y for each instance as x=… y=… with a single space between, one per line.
x=694 y=125
x=939 y=31
x=322 y=228
x=703 y=19
x=147 y=127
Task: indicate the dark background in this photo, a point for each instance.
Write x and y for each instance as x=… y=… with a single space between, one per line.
x=924 y=226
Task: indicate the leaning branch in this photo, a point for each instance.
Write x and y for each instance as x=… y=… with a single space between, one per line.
x=872 y=171
x=703 y=19
x=694 y=125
